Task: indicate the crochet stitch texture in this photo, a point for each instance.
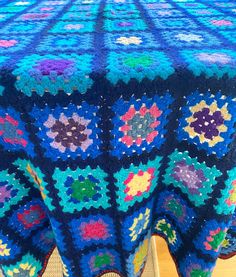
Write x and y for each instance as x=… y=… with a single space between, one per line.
x=117 y=122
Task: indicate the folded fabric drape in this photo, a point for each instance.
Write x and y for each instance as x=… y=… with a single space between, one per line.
x=117 y=122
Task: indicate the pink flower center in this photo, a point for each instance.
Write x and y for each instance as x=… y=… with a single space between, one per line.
x=7 y=43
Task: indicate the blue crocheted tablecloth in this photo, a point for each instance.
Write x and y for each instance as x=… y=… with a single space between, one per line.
x=117 y=122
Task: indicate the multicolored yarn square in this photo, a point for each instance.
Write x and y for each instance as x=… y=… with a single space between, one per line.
x=53 y=73
x=125 y=25
x=44 y=240
x=28 y=17
x=13 y=134
x=191 y=177
x=165 y=13
x=208 y=122
x=93 y=230
x=136 y=262
x=118 y=14
x=130 y=40
x=81 y=189
x=68 y=42
x=84 y=8
x=78 y=16
x=204 y=12
x=9 y=249
x=13 y=43
x=135 y=226
x=227 y=202
x=136 y=183
x=28 y=266
x=211 y=238
x=28 y=218
x=190 y=38
x=192 y=5
x=192 y=266
x=44 y=8
x=218 y=22
x=15 y=28
x=67 y=27
x=165 y=228
x=12 y=191
x=223 y=4
x=36 y=177
x=174 y=23
x=68 y=132
x=158 y=6
x=139 y=124
x=138 y=65
x=211 y=63
x=176 y=208
x=98 y=261
x=120 y=6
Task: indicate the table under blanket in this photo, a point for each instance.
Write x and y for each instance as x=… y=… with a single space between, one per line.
x=117 y=122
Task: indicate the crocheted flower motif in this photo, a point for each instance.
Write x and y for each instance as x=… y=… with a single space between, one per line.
x=165 y=13
x=165 y=228
x=8 y=248
x=44 y=240
x=92 y=230
x=158 y=6
x=35 y=17
x=227 y=202
x=52 y=43
x=218 y=22
x=208 y=121
x=13 y=43
x=65 y=27
x=192 y=177
x=192 y=266
x=174 y=23
x=53 y=73
x=176 y=208
x=211 y=237
x=12 y=190
x=29 y=217
x=139 y=124
x=212 y=63
x=28 y=266
x=13 y=134
x=125 y=41
x=117 y=14
x=68 y=132
x=136 y=225
x=194 y=38
x=138 y=65
x=136 y=262
x=20 y=28
x=82 y=188
x=136 y=183
x=96 y=262
x=35 y=176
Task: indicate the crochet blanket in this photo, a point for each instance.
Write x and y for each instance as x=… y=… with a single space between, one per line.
x=117 y=122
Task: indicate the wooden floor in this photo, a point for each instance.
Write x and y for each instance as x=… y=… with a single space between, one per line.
x=224 y=268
